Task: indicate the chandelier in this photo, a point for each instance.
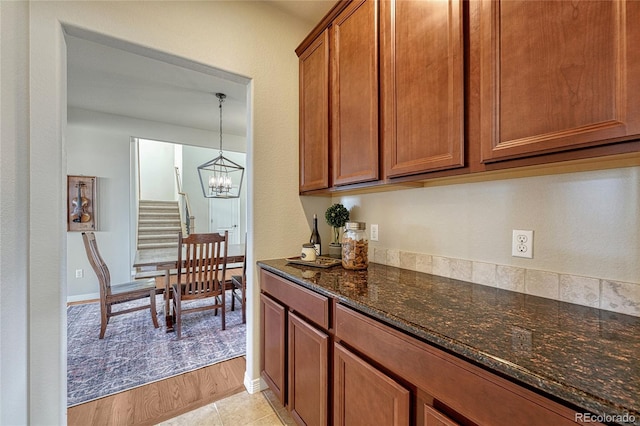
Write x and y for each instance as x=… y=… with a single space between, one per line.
x=221 y=177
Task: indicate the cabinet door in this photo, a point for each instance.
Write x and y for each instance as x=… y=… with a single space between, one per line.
x=557 y=75
x=314 y=115
x=308 y=372
x=432 y=417
x=364 y=395
x=273 y=345
x=354 y=94
x=422 y=86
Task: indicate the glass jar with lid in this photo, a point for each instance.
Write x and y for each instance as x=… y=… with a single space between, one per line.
x=355 y=246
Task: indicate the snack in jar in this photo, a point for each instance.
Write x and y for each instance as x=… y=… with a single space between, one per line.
x=355 y=246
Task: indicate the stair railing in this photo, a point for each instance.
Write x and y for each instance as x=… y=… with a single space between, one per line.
x=187 y=221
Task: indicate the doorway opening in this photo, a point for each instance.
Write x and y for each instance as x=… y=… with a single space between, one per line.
x=118 y=91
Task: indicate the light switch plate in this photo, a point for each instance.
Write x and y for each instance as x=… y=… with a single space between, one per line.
x=374 y=232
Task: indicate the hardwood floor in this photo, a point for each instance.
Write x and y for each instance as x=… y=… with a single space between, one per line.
x=163 y=400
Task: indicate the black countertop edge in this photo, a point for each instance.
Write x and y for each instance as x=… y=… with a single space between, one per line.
x=546 y=386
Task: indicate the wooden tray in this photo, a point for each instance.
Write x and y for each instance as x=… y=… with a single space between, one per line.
x=320 y=262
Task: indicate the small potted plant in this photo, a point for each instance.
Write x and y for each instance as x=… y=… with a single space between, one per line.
x=336 y=216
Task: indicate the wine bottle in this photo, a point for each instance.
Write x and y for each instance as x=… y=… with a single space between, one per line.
x=315 y=236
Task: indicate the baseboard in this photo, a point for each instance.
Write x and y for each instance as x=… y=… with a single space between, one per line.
x=255 y=385
x=83 y=297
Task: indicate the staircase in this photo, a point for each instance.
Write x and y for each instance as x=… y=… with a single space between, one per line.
x=158 y=224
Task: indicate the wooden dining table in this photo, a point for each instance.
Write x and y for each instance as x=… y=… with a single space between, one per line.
x=166 y=260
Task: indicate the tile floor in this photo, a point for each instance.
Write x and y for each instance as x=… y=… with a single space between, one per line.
x=240 y=409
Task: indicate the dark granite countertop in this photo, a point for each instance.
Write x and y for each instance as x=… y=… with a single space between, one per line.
x=587 y=357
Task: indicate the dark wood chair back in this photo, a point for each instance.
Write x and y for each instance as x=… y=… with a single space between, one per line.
x=202 y=263
x=203 y=258
x=119 y=293
x=239 y=286
x=97 y=263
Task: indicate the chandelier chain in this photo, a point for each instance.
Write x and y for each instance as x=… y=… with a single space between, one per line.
x=221 y=97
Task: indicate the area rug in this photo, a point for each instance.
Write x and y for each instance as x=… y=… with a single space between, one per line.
x=134 y=353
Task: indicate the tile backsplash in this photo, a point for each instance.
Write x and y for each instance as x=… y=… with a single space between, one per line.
x=616 y=296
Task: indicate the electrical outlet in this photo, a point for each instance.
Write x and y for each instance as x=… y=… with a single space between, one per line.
x=79 y=273
x=374 y=232
x=521 y=340
x=522 y=244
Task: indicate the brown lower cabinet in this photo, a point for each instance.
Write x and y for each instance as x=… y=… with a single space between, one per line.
x=295 y=346
x=273 y=345
x=364 y=395
x=308 y=372
x=332 y=365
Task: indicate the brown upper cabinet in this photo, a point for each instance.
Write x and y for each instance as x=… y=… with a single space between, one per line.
x=314 y=115
x=354 y=94
x=557 y=75
x=339 y=98
x=422 y=86
x=442 y=88
x=418 y=81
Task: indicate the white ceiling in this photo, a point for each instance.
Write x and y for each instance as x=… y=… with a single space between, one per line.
x=106 y=76
x=114 y=81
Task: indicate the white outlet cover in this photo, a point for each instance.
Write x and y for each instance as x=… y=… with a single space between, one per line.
x=522 y=244
x=374 y=232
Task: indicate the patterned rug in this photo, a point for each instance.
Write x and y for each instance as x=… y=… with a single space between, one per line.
x=134 y=353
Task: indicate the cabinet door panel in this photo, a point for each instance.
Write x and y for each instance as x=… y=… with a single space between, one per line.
x=364 y=395
x=432 y=417
x=314 y=115
x=354 y=94
x=273 y=345
x=556 y=75
x=308 y=372
x=422 y=86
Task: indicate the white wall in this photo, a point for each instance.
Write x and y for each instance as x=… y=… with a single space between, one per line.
x=585 y=224
x=157 y=173
x=154 y=130
x=246 y=38
x=14 y=213
x=105 y=154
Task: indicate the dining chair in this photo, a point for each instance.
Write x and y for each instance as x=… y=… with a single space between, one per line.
x=202 y=263
x=239 y=286
x=111 y=295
